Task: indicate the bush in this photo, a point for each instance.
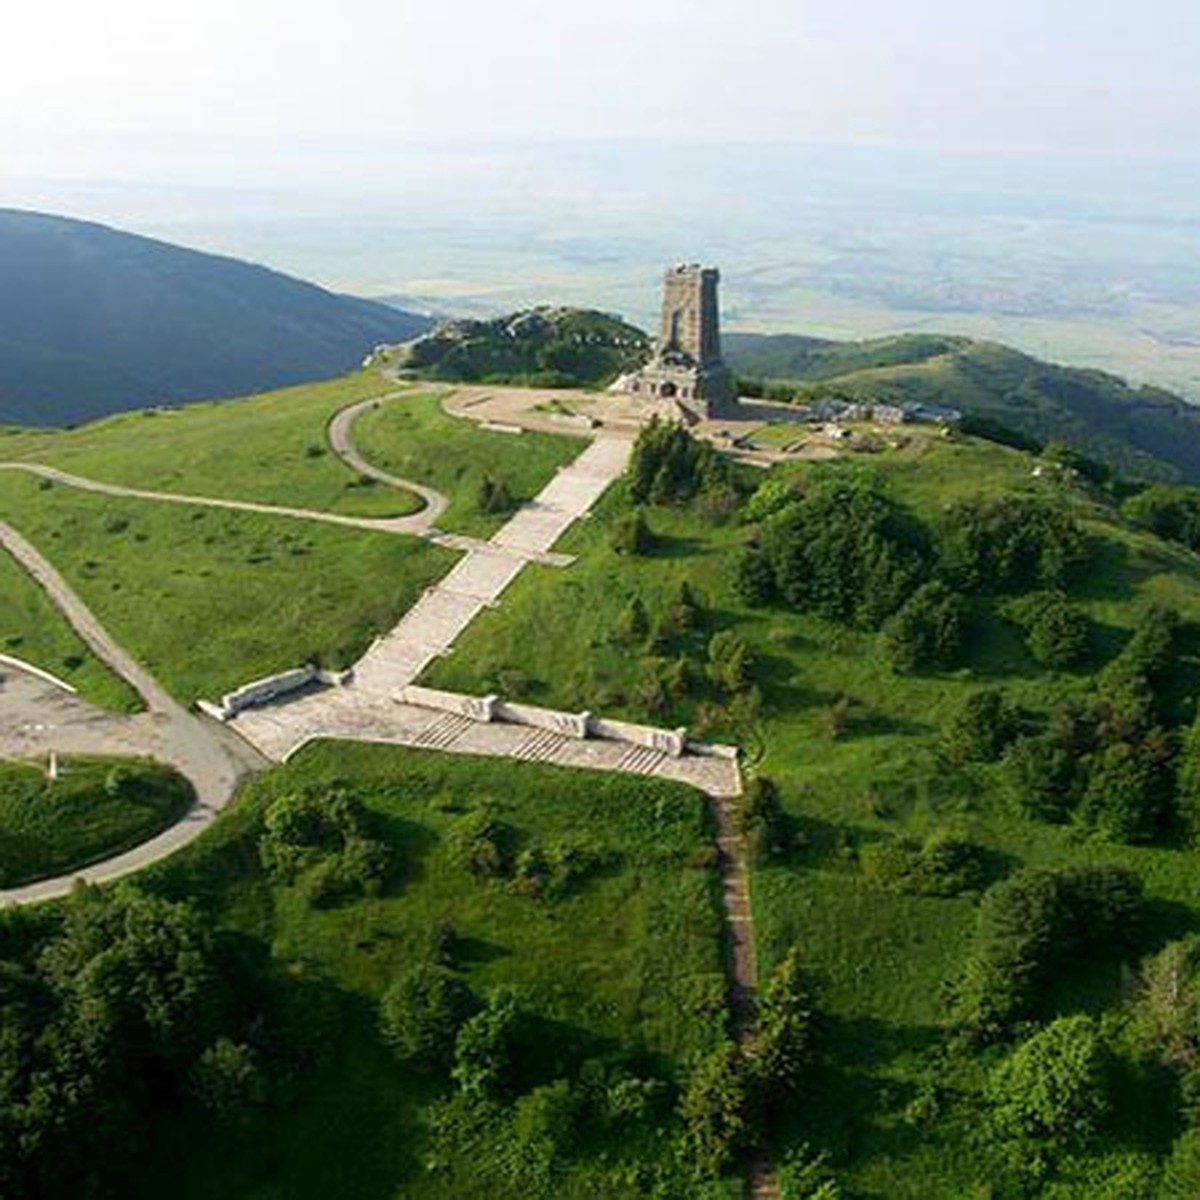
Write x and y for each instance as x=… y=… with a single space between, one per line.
x=545 y=1124
x=495 y=498
x=754 y=577
x=631 y=534
x=1187 y=783
x=1041 y=778
x=982 y=729
x=552 y=871
x=1169 y=1001
x=1171 y=511
x=421 y=1013
x=319 y=841
x=761 y=820
x=718 y=1110
x=633 y=623
x=1056 y=632
x=1181 y=1179
x=1053 y=1087
x=1010 y=544
x=927 y=631
x=483 y=1049
x=228 y=1082
x=483 y=845
x=1127 y=796
x=942 y=865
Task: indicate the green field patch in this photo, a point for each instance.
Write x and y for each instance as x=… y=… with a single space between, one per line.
x=208 y=599
x=413 y=438
x=96 y=808
x=33 y=630
x=624 y=967
x=270 y=448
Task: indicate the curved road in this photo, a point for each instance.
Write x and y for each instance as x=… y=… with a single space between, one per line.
x=38 y=717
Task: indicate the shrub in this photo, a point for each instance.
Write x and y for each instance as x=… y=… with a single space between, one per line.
x=1187 y=783
x=1056 y=633
x=422 y=1012
x=1040 y=777
x=1010 y=544
x=1127 y=794
x=545 y=1123
x=774 y=493
x=552 y=871
x=483 y=1048
x=633 y=623
x=1053 y=1087
x=718 y=1110
x=1171 y=511
x=942 y=865
x=1181 y=1178
x=631 y=534
x=761 y=820
x=228 y=1082
x=1169 y=1000
x=754 y=577
x=320 y=840
x=495 y=498
x=483 y=844
x=984 y=726
x=927 y=631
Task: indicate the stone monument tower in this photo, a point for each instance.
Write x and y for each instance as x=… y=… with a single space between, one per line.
x=686 y=367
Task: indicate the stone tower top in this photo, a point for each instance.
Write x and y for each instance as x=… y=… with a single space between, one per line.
x=690 y=332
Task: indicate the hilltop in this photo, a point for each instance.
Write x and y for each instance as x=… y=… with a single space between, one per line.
x=541 y=347
x=94 y=321
x=1144 y=432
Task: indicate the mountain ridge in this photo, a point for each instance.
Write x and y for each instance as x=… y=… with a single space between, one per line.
x=95 y=320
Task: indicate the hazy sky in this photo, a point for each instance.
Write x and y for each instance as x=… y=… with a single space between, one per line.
x=1063 y=76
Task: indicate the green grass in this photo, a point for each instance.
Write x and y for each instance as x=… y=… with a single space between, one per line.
x=628 y=962
x=269 y=448
x=881 y=960
x=413 y=438
x=32 y=629
x=209 y=599
x=96 y=808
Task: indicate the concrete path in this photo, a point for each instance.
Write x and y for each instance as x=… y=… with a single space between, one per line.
x=432 y=625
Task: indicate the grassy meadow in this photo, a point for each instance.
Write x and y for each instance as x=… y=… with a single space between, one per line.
x=413 y=438
x=32 y=629
x=96 y=808
x=208 y=599
x=625 y=967
x=855 y=749
x=269 y=448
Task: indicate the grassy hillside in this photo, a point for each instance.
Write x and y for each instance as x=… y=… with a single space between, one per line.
x=856 y=749
x=543 y=347
x=621 y=975
x=93 y=320
x=1145 y=432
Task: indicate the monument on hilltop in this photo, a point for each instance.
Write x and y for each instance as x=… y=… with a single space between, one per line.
x=686 y=367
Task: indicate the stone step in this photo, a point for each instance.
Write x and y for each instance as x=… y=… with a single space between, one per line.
x=541 y=745
x=444 y=732
x=641 y=760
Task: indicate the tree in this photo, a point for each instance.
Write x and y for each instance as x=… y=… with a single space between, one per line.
x=984 y=726
x=1181 y=1179
x=1169 y=1000
x=669 y=466
x=1056 y=632
x=718 y=1110
x=1187 y=782
x=761 y=820
x=1127 y=790
x=927 y=631
x=422 y=1012
x=730 y=661
x=495 y=497
x=1053 y=1087
x=783 y=1047
x=633 y=623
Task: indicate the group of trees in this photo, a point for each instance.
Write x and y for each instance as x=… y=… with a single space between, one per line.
x=669 y=466
x=119 y=1005
x=940 y=865
x=840 y=547
x=1031 y=926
